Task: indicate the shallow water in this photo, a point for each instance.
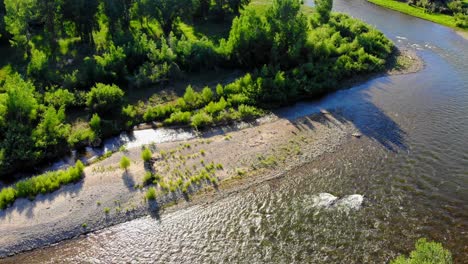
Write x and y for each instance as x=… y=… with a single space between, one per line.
x=411 y=166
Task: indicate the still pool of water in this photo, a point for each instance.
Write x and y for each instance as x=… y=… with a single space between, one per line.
x=411 y=167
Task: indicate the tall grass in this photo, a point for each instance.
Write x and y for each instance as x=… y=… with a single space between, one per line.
x=41 y=184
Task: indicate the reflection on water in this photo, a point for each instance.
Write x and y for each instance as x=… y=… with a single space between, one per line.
x=411 y=167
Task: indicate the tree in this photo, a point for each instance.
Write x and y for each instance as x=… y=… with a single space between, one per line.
x=51 y=133
x=166 y=12
x=82 y=14
x=203 y=8
x=237 y=5
x=323 y=9
x=105 y=99
x=289 y=27
x=124 y=163
x=118 y=14
x=19 y=14
x=18 y=111
x=426 y=252
x=95 y=124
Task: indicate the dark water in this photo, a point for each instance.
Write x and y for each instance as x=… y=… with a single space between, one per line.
x=411 y=166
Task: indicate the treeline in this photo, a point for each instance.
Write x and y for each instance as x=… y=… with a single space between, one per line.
x=456 y=8
x=85 y=55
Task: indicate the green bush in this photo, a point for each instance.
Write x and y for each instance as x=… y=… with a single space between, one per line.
x=95 y=124
x=151 y=193
x=104 y=99
x=146 y=155
x=178 y=118
x=81 y=136
x=124 y=163
x=426 y=253
x=201 y=119
x=247 y=111
x=148 y=178
x=59 y=98
x=158 y=112
x=41 y=184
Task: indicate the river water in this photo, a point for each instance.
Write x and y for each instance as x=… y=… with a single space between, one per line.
x=411 y=167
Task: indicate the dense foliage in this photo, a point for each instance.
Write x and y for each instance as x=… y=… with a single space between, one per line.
x=456 y=8
x=426 y=252
x=86 y=56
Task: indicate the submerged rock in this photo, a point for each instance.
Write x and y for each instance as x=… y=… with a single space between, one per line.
x=350 y=202
x=324 y=200
x=329 y=201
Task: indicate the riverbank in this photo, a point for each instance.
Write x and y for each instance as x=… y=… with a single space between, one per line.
x=419 y=12
x=108 y=195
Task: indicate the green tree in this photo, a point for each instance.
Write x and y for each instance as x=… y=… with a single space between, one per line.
x=124 y=163
x=95 y=124
x=426 y=253
x=51 y=133
x=118 y=14
x=19 y=15
x=18 y=112
x=289 y=27
x=323 y=9
x=105 y=99
x=237 y=5
x=166 y=12
x=146 y=155
x=82 y=14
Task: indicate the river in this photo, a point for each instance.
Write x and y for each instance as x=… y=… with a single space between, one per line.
x=411 y=166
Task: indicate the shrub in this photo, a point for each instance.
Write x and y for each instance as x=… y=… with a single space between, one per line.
x=95 y=123
x=151 y=194
x=158 y=112
x=191 y=98
x=178 y=118
x=215 y=107
x=124 y=162
x=81 y=135
x=59 y=98
x=426 y=252
x=201 y=119
x=146 y=155
x=44 y=183
x=247 y=111
x=104 y=99
x=148 y=178
x=206 y=95
x=7 y=197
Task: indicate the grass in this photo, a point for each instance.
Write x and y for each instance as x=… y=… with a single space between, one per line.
x=41 y=184
x=403 y=7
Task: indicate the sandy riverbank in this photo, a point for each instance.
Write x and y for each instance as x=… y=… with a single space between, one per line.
x=250 y=155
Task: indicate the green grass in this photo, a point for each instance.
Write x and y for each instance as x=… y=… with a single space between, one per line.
x=402 y=7
x=41 y=184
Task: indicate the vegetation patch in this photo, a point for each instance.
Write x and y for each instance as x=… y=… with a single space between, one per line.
x=426 y=252
x=454 y=14
x=41 y=184
x=81 y=65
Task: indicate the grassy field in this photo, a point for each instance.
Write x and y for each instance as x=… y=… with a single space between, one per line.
x=402 y=7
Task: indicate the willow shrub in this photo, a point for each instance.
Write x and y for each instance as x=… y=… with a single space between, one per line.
x=41 y=184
